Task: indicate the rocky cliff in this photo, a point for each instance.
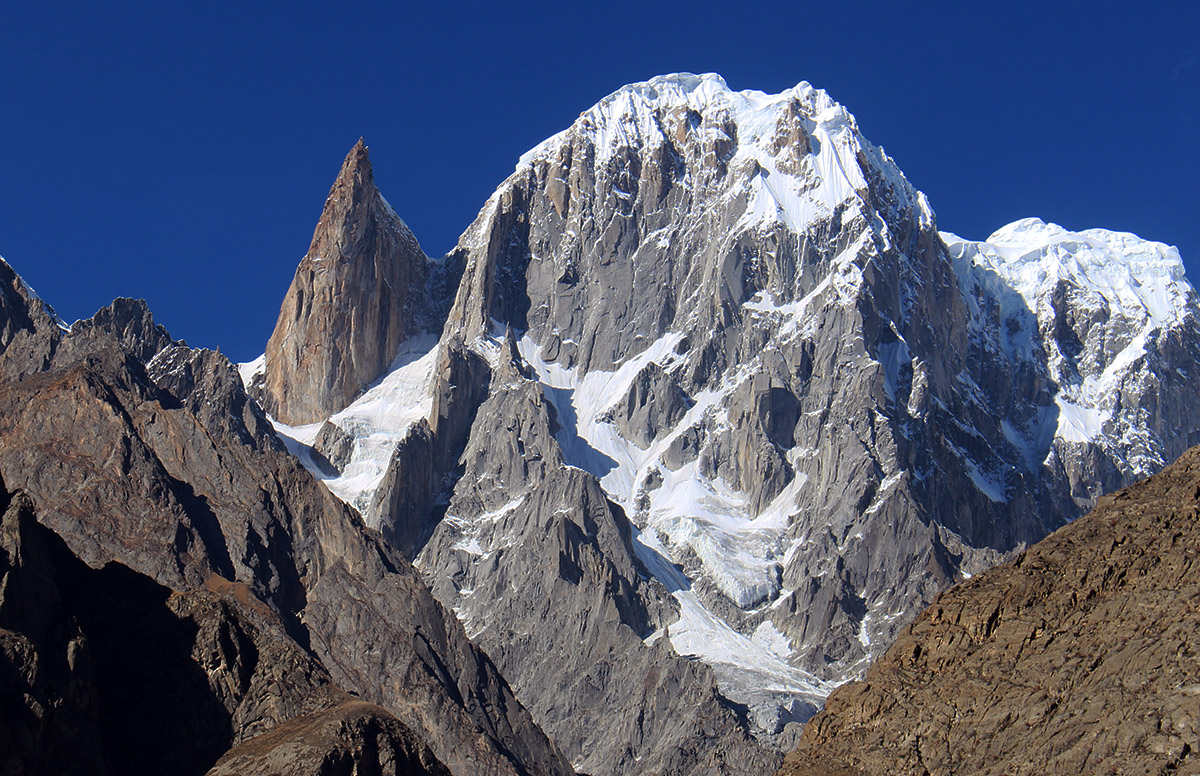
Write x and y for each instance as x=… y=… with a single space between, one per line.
x=353 y=738
x=356 y=296
x=1078 y=656
x=807 y=411
x=108 y=671
x=542 y=569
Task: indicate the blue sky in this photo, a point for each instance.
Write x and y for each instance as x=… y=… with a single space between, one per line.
x=181 y=152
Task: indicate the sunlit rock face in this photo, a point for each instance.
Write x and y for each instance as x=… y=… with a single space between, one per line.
x=712 y=385
x=355 y=298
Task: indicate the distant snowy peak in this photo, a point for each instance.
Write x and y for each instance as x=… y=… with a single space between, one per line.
x=1117 y=322
x=799 y=153
x=1141 y=279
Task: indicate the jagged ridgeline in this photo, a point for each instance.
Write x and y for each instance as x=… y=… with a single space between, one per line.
x=175 y=588
x=703 y=379
x=699 y=413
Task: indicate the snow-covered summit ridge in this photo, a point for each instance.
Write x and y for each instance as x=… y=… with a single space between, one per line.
x=640 y=116
x=1141 y=278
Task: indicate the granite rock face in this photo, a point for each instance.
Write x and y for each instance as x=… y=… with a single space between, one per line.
x=756 y=339
x=356 y=296
x=168 y=468
x=1079 y=656
x=808 y=409
x=540 y=567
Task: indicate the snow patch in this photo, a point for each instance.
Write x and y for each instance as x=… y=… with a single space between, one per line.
x=1077 y=423
x=767 y=636
x=1132 y=274
x=376 y=423
x=252 y=369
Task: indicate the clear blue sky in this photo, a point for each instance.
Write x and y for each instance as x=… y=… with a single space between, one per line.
x=182 y=152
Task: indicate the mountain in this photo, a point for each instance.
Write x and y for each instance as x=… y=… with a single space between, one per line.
x=699 y=413
x=1115 y=320
x=324 y=350
x=188 y=586
x=1077 y=656
x=83 y=695
x=707 y=409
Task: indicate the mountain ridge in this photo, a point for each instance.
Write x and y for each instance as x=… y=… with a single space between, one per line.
x=167 y=467
x=735 y=306
x=698 y=414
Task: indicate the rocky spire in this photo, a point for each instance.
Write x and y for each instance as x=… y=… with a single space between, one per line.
x=354 y=299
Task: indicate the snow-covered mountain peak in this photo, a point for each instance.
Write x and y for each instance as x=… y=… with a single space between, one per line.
x=796 y=155
x=1106 y=306
x=634 y=114
x=709 y=91
x=714 y=337
x=1140 y=279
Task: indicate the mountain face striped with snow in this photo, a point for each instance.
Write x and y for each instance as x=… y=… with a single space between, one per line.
x=716 y=409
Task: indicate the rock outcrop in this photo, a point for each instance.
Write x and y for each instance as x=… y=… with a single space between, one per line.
x=1079 y=656
x=357 y=295
x=353 y=738
x=541 y=568
x=107 y=671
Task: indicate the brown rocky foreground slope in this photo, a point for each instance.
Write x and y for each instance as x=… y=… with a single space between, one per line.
x=105 y=671
x=1079 y=656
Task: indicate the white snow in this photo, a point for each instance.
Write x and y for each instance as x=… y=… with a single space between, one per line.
x=471 y=532
x=746 y=666
x=1131 y=274
x=376 y=423
x=985 y=483
x=797 y=318
x=1076 y=423
x=299 y=441
x=632 y=117
x=864 y=638
x=250 y=369
x=767 y=636
x=698 y=632
x=1135 y=288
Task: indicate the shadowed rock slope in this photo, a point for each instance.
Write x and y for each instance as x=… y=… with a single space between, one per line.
x=1079 y=656
x=155 y=458
x=106 y=671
